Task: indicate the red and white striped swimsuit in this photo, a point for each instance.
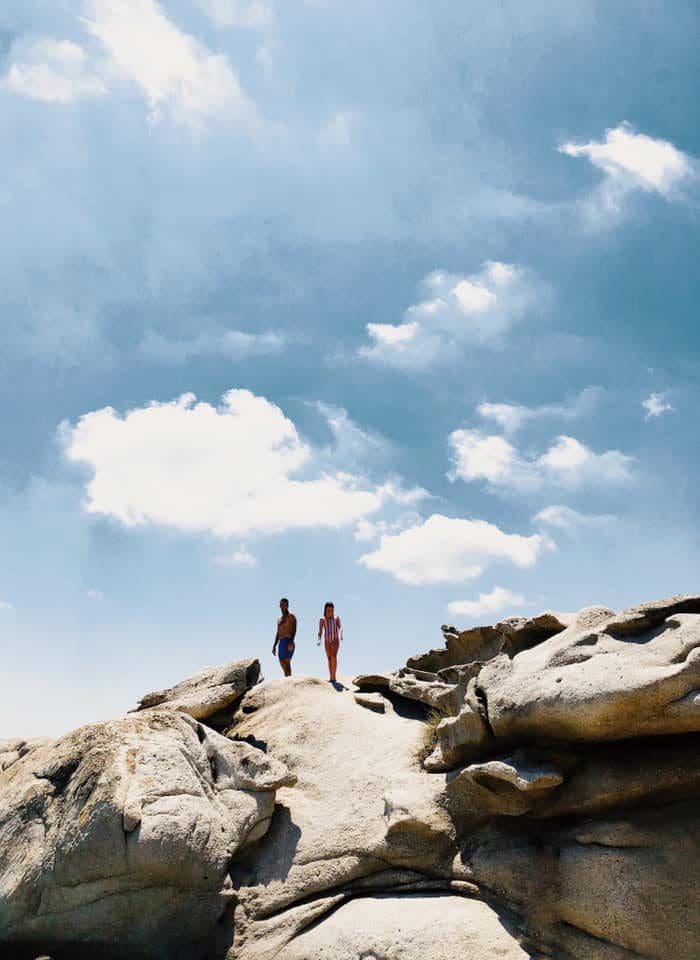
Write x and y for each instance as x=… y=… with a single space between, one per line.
x=332 y=629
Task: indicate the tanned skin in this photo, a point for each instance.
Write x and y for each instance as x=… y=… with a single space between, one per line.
x=286 y=664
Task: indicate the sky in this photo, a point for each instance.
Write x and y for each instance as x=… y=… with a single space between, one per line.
x=390 y=304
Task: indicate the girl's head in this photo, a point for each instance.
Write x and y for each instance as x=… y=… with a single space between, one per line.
x=328 y=610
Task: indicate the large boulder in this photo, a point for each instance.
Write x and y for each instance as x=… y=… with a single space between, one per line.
x=210 y=695
x=118 y=838
x=361 y=856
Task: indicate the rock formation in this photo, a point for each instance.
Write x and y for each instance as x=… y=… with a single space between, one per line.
x=528 y=790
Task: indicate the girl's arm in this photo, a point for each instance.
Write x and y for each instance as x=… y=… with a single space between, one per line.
x=340 y=630
x=321 y=628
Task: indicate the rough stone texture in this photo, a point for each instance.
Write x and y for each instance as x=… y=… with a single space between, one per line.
x=533 y=786
x=120 y=835
x=408 y=928
x=13 y=750
x=362 y=819
x=592 y=684
x=373 y=701
x=212 y=691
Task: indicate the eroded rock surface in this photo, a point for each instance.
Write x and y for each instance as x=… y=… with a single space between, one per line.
x=530 y=790
x=210 y=694
x=119 y=837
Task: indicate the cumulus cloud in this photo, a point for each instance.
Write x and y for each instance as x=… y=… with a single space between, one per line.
x=5 y=606
x=235 y=469
x=656 y=404
x=55 y=71
x=511 y=417
x=498 y=600
x=566 y=463
x=633 y=161
x=173 y=70
x=233 y=344
x=93 y=594
x=446 y=550
x=572 y=521
x=458 y=310
x=136 y=44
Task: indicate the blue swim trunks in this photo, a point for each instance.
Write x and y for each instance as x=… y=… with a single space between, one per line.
x=285 y=650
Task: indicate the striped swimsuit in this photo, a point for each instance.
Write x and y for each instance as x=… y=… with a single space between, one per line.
x=332 y=630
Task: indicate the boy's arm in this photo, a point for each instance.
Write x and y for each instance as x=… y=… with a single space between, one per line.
x=293 y=627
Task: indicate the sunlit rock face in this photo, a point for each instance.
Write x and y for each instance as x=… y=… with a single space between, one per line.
x=530 y=789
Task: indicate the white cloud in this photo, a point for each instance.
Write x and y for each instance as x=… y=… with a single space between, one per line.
x=656 y=404
x=496 y=601
x=235 y=469
x=234 y=13
x=94 y=595
x=176 y=73
x=234 y=344
x=571 y=521
x=445 y=550
x=55 y=71
x=352 y=446
x=632 y=161
x=458 y=310
x=566 y=463
x=239 y=558
x=173 y=70
x=368 y=530
x=511 y=417
x=5 y=606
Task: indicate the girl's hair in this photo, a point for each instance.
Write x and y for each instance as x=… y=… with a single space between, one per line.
x=326 y=606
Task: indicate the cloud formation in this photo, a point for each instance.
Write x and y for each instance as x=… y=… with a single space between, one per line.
x=236 y=469
x=458 y=310
x=572 y=521
x=54 y=71
x=656 y=404
x=447 y=550
x=496 y=601
x=566 y=463
x=511 y=417
x=239 y=558
x=633 y=161
x=137 y=45
x=234 y=344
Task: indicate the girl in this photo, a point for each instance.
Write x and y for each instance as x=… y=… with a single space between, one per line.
x=331 y=628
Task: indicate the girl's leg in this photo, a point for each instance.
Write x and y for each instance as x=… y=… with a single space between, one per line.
x=333 y=665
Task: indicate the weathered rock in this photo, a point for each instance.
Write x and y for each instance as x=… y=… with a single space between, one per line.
x=408 y=928
x=13 y=750
x=590 y=685
x=510 y=786
x=479 y=643
x=119 y=836
x=362 y=815
x=210 y=692
x=621 y=887
x=372 y=701
x=562 y=799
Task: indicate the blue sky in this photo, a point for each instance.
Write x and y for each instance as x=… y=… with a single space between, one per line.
x=392 y=304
